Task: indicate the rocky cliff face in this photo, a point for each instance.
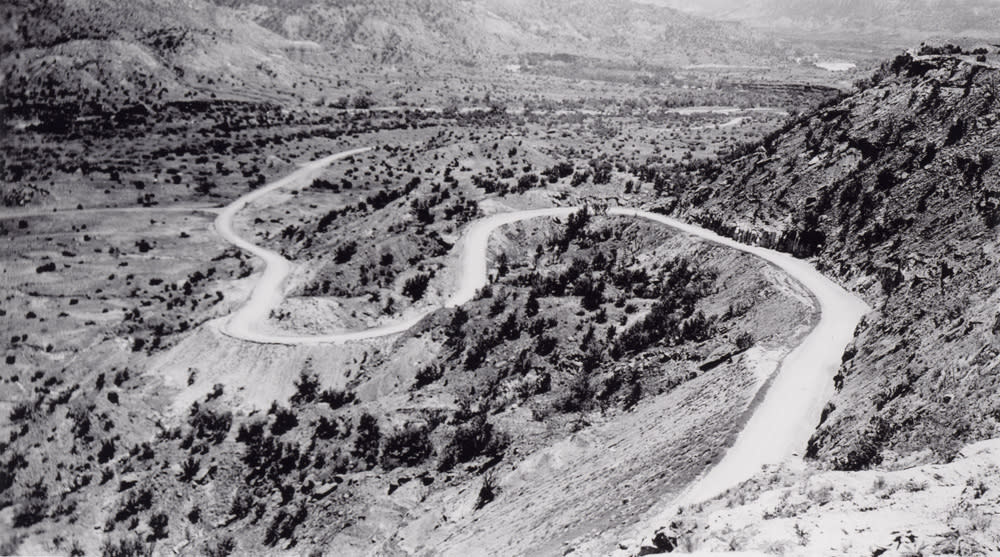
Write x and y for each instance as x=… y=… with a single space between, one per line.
x=896 y=191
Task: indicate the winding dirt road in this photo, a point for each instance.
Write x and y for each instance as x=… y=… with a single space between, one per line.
x=780 y=426
x=269 y=291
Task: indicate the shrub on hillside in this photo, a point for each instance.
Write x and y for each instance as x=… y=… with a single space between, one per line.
x=29 y=512
x=477 y=437
x=306 y=388
x=409 y=446
x=579 y=394
x=284 y=420
x=136 y=502
x=327 y=428
x=335 y=398
x=744 y=341
x=345 y=252
x=107 y=451
x=189 y=469
x=210 y=424
x=158 y=526
x=366 y=444
x=220 y=548
x=487 y=491
x=128 y=547
x=415 y=286
x=283 y=525
x=427 y=375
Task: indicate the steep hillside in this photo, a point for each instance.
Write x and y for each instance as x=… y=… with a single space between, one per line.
x=895 y=190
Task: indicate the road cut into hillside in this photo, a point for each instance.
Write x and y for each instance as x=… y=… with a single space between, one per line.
x=790 y=409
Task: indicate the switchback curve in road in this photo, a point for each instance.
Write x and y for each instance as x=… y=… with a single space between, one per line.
x=269 y=290
x=778 y=428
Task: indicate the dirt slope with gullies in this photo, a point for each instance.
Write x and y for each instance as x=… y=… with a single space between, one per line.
x=895 y=189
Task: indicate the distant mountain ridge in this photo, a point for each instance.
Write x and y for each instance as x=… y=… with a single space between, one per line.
x=395 y=31
x=913 y=19
x=105 y=52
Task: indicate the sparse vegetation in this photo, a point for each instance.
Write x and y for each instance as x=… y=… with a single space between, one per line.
x=589 y=320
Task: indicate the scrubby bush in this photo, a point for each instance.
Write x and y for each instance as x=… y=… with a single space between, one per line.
x=744 y=341
x=23 y=411
x=284 y=420
x=332 y=428
x=158 y=524
x=487 y=491
x=269 y=459
x=210 y=424
x=633 y=395
x=575 y=224
x=531 y=305
x=427 y=375
x=306 y=388
x=220 y=548
x=136 y=502
x=8 y=470
x=476 y=437
x=345 y=252
x=189 y=468
x=407 y=447
x=545 y=344
x=128 y=547
x=241 y=506
x=107 y=451
x=335 y=398
x=283 y=525
x=415 y=286
x=579 y=394
x=366 y=444
x=29 y=512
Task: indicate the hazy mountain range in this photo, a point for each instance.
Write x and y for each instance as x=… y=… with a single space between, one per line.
x=99 y=51
x=903 y=18
x=446 y=29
